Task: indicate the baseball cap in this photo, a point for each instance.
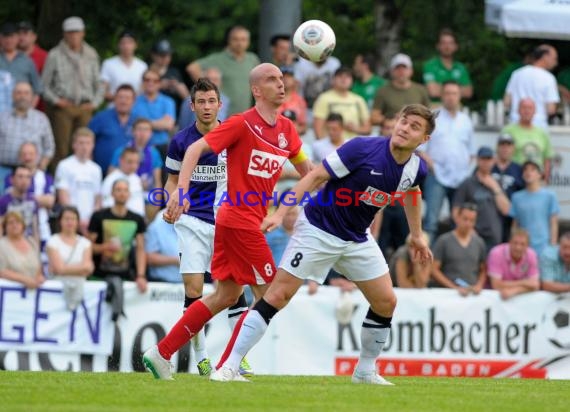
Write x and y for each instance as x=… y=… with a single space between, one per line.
x=485 y=152
x=290 y=114
x=8 y=28
x=401 y=59
x=25 y=26
x=162 y=47
x=287 y=70
x=73 y=24
x=505 y=138
x=533 y=163
x=127 y=33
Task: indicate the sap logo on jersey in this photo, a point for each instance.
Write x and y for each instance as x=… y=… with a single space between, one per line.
x=264 y=164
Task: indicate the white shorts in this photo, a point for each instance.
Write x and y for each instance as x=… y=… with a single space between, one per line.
x=195 y=244
x=312 y=252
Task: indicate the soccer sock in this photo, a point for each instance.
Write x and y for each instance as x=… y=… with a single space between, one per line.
x=236 y=311
x=191 y=322
x=199 y=340
x=373 y=336
x=247 y=333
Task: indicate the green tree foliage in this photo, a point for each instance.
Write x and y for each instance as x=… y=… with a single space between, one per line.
x=197 y=28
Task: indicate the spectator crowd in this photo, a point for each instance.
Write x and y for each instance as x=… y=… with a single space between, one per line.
x=83 y=142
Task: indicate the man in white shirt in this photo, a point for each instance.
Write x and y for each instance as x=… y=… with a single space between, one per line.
x=315 y=78
x=448 y=154
x=78 y=178
x=335 y=138
x=125 y=68
x=536 y=82
x=128 y=165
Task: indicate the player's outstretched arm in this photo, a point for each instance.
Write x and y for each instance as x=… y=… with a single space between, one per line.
x=177 y=204
x=307 y=184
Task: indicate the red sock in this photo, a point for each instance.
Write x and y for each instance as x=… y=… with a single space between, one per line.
x=230 y=344
x=191 y=322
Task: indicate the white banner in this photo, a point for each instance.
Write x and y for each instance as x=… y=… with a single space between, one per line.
x=435 y=332
x=37 y=320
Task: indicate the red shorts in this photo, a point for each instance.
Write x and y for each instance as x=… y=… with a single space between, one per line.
x=242 y=255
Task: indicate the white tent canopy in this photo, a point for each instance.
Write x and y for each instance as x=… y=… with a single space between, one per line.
x=541 y=19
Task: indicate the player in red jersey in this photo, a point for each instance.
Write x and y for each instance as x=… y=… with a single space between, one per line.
x=258 y=142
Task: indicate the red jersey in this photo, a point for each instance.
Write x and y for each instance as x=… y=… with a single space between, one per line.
x=256 y=152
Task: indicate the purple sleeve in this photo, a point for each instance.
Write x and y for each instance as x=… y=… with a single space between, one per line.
x=346 y=158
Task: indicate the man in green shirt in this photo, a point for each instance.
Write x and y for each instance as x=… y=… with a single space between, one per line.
x=235 y=63
x=531 y=142
x=366 y=82
x=399 y=91
x=444 y=68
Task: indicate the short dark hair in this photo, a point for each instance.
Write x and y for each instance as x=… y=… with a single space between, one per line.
x=141 y=120
x=369 y=60
x=277 y=37
x=230 y=29
x=335 y=117
x=128 y=87
x=446 y=31
x=540 y=51
x=19 y=166
x=203 y=84
x=422 y=111
x=468 y=206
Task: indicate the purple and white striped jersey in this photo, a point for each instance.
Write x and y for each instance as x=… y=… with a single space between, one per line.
x=209 y=180
x=364 y=176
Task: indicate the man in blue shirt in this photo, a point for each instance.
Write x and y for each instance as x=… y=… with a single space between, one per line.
x=361 y=178
x=161 y=249
x=113 y=127
x=158 y=108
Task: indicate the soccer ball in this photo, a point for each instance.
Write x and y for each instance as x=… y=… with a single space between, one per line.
x=314 y=40
x=556 y=323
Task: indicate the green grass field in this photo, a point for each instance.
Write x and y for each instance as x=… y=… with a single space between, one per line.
x=109 y=392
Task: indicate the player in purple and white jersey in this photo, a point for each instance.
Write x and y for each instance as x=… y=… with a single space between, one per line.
x=195 y=229
x=361 y=178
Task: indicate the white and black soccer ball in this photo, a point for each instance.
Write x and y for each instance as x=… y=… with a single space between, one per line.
x=556 y=323
x=314 y=40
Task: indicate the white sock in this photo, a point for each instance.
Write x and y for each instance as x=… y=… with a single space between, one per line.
x=372 y=341
x=233 y=316
x=199 y=345
x=252 y=330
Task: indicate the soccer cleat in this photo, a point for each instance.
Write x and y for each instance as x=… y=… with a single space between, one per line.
x=370 y=378
x=157 y=365
x=227 y=374
x=205 y=367
x=245 y=369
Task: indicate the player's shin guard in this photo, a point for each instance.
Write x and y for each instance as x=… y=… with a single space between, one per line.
x=373 y=336
x=199 y=340
x=193 y=320
x=248 y=333
x=236 y=311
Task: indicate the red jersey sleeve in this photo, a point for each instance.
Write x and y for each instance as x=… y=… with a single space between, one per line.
x=225 y=134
